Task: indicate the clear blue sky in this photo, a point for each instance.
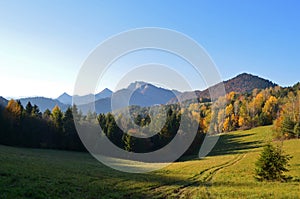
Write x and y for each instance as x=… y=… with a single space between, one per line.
x=43 y=43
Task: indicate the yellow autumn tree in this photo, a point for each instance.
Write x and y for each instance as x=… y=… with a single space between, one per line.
x=14 y=107
x=244 y=120
x=270 y=109
x=57 y=118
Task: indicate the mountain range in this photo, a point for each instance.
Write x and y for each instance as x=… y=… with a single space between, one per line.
x=143 y=94
x=137 y=93
x=67 y=99
x=44 y=103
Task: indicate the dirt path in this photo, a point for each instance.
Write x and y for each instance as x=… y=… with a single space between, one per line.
x=188 y=187
x=205 y=177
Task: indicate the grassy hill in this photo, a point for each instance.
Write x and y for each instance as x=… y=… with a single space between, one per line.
x=226 y=173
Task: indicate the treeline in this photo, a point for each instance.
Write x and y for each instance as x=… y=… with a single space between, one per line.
x=165 y=127
x=28 y=127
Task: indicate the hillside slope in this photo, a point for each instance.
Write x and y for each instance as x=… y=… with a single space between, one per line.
x=243 y=83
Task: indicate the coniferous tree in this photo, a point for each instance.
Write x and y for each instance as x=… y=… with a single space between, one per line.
x=68 y=122
x=272 y=164
x=36 y=112
x=28 y=109
x=47 y=114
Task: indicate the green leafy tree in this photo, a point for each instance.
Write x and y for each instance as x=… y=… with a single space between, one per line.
x=272 y=164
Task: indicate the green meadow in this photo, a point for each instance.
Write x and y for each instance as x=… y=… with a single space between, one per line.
x=226 y=173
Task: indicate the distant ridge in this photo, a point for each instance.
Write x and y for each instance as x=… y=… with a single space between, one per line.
x=138 y=93
x=243 y=83
x=103 y=94
x=44 y=103
x=65 y=98
x=146 y=94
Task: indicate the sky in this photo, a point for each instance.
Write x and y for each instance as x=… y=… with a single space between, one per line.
x=43 y=44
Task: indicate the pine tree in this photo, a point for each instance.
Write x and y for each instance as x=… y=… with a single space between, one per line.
x=36 y=112
x=47 y=114
x=28 y=109
x=272 y=164
x=68 y=122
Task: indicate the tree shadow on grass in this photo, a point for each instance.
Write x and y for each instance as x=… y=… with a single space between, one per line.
x=234 y=144
x=227 y=144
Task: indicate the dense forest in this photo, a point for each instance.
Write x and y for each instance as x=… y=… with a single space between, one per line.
x=28 y=127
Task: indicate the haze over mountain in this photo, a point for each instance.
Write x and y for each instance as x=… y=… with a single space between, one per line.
x=67 y=99
x=143 y=94
x=137 y=93
x=44 y=103
x=243 y=83
x=103 y=94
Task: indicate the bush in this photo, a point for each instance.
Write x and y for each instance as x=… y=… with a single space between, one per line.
x=272 y=164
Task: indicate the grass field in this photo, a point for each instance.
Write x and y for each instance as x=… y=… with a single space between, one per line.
x=226 y=173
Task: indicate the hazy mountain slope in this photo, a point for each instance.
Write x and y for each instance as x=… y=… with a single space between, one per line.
x=103 y=94
x=146 y=94
x=137 y=93
x=67 y=99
